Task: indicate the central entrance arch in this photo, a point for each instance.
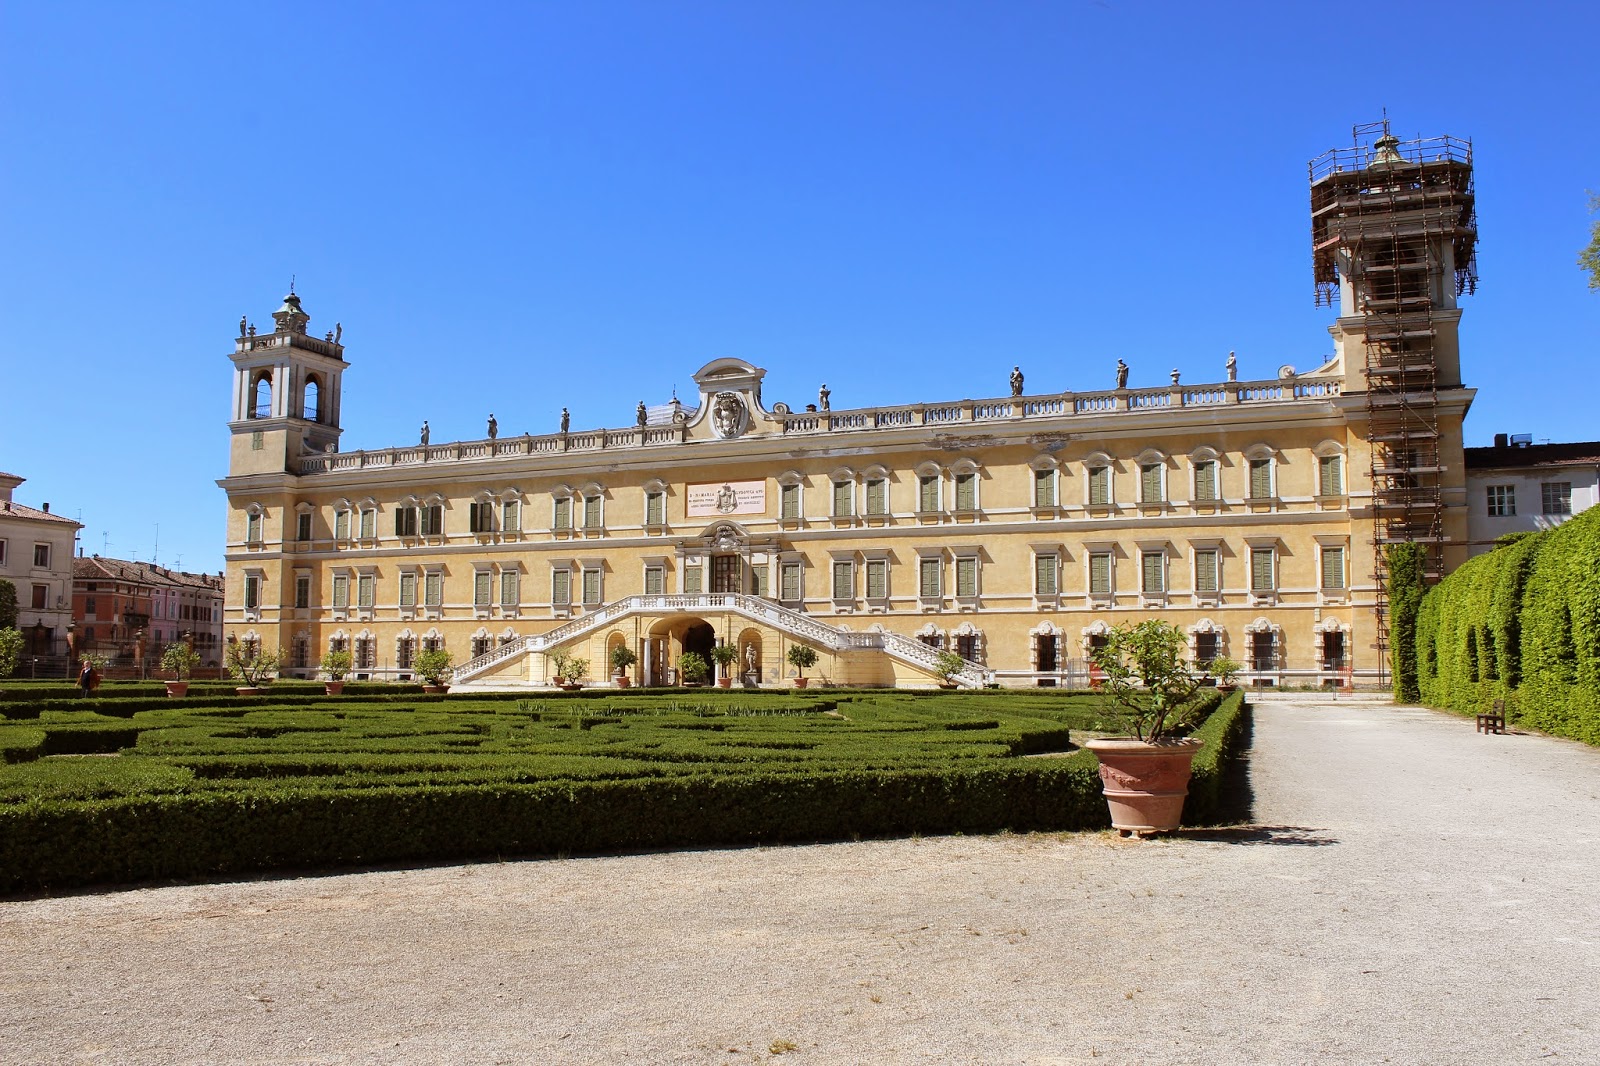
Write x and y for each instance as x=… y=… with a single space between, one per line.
x=669 y=639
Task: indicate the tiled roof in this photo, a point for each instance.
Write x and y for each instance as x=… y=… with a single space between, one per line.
x=98 y=568
x=20 y=510
x=1575 y=453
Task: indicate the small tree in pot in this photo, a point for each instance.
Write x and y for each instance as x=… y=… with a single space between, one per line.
x=1145 y=778
x=251 y=665
x=1225 y=670
x=802 y=657
x=179 y=660
x=948 y=664
x=434 y=667
x=693 y=668
x=725 y=656
x=335 y=664
x=622 y=658
x=577 y=670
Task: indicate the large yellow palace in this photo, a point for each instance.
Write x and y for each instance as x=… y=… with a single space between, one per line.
x=1013 y=530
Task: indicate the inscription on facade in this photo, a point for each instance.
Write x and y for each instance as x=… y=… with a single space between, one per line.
x=711 y=498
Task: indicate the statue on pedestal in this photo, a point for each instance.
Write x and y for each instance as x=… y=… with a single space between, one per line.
x=1016 y=381
x=494 y=427
x=641 y=415
x=424 y=432
x=1122 y=374
x=824 y=397
x=566 y=420
x=1233 y=367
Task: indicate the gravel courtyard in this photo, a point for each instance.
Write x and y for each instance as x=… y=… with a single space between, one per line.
x=1409 y=892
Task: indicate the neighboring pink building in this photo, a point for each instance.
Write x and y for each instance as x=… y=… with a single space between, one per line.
x=118 y=602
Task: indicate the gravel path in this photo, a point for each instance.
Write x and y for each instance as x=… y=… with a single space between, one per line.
x=1459 y=924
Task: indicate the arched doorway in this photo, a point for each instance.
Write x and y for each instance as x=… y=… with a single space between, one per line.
x=669 y=639
x=700 y=638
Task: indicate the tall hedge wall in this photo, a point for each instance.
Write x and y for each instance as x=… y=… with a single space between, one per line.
x=1406 y=587
x=1522 y=624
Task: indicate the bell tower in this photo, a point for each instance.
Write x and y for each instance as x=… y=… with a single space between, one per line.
x=286 y=392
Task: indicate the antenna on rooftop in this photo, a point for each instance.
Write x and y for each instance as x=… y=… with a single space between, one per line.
x=291 y=284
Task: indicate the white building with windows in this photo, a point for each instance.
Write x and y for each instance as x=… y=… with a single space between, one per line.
x=36 y=557
x=1517 y=486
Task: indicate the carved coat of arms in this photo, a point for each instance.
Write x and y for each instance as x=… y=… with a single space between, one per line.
x=727 y=414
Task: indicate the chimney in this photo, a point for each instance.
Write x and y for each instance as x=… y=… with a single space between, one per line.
x=47 y=508
x=1501 y=440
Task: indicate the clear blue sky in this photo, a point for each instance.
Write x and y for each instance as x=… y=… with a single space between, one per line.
x=517 y=207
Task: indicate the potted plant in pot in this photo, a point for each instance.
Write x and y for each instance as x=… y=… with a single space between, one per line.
x=252 y=666
x=434 y=668
x=577 y=670
x=802 y=657
x=180 y=660
x=1226 y=672
x=622 y=658
x=725 y=656
x=558 y=663
x=335 y=664
x=1145 y=777
x=693 y=668
x=948 y=664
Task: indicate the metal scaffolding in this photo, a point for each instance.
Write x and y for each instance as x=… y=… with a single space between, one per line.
x=1394 y=220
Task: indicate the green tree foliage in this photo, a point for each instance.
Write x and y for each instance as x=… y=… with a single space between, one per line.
x=8 y=605
x=1406 y=589
x=1146 y=673
x=10 y=650
x=1589 y=258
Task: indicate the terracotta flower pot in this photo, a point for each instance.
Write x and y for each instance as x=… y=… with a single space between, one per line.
x=1144 y=782
x=333 y=688
x=177 y=689
x=436 y=690
x=248 y=691
x=800 y=682
x=621 y=680
x=724 y=682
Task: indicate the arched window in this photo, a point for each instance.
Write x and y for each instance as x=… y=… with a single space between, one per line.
x=311 y=402
x=261 y=394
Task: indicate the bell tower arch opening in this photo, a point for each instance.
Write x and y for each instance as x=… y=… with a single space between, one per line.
x=286 y=392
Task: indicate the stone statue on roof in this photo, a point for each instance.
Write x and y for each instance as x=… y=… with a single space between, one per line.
x=1122 y=374
x=1016 y=381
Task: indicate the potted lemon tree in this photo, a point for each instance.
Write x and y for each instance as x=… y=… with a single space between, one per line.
x=802 y=657
x=622 y=657
x=434 y=667
x=725 y=656
x=254 y=667
x=335 y=664
x=179 y=660
x=948 y=664
x=1145 y=776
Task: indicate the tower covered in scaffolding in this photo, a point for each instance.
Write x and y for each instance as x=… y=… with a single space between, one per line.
x=1394 y=235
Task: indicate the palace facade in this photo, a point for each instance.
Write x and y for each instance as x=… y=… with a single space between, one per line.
x=1013 y=530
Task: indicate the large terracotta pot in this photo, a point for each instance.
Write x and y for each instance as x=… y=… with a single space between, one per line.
x=1144 y=782
x=800 y=682
x=724 y=682
x=333 y=688
x=436 y=690
x=622 y=680
x=246 y=690
x=177 y=689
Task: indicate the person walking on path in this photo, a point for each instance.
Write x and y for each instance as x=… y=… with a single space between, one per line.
x=88 y=680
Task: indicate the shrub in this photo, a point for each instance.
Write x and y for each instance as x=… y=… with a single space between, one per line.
x=10 y=650
x=1146 y=673
x=694 y=668
x=179 y=660
x=336 y=664
x=433 y=666
x=250 y=664
x=622 y=657
x=1406 y=589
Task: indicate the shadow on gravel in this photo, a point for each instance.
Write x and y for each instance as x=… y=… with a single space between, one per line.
x=1292 y=835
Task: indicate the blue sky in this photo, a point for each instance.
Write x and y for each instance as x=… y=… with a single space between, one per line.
x=519 y=207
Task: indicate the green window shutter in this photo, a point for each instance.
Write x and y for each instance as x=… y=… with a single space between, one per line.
x=929 y=571
x=591 y=586
x=1153 y=577
x=252 y=592
x=1261 y=569
x=366 y=590
x=878 y=496
x=341 y=590
x=1333 y=568
x=966 y=492
x=790 y=578
x=1332 y=476
x=433 y=590
x=341 y=525
x=842 y=504
x=655 y=508
x=591 y=512
x=563 y=512
x=1100 y=486
x=843 y=581
x=966 y=577
x=1100 y=573
x=474 y=518
x=252 y=528
x=1044 y=488
x=1150 y=483
x=482 y=587
x=1044 y=575
x=759 y=578
x=877 y=579
x=691 y=580
x=1260 y=479
x=928 y=494
x=408 y=590
x=1205 y=570
x=1205 y=480
x=790 y=495
x=369 y=524
x=510 y=588
x=561 y=587
x=511 y=516
x=654 y=580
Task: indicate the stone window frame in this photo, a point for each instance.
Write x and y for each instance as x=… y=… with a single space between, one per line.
x=1333 y=594
x=1205 y=455
x=1264 y=454
x=654 y=489
x=1154 y=457
x=558 y=494
x=966 y=468
x=791 y=484
x=1097 y=461
x=1046 y=465
x=1326 y=451
x=1056 y=551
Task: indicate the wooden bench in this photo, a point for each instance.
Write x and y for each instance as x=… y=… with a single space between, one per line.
x=1495 y=720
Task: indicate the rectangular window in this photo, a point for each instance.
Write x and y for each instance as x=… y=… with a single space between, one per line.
x=482 y=588
x=433 y=589
x=1100 y=574
x=1153 y=571
x=591 y=587
x=480 y=517
x=369 y=523
x=1502 y=501
x=591 y=512
x=694 y=580
x=41 y=595
x=1260 y=479
x=433 y=520
x=655 y=508
x=341 y=525
x=1557 y=497
x=1100 y=486
x=3 y=555
x=1044 y=488
x=928 y=493
x=1333 y=568
x=655 y=580
x=252 y=592
x=366 y=589
x=252 y=535
x=1330 y=475
x=843 y=504
x=844 y=580
x=405 y=652
x=789 y=501
x=877 y=579
x=930 y=578
x=562 y=515
x=341 y=591
x=561 y=587
x=966 y=492
x=1046 y=571
x=511 y=516
x=302 y=526
x=1261 y=570
x=967 y=576
x=1150 y=483
x=758 y=576
x=1205 y=570
x=789 y=581
x=1205 y=479
x=510 y=588
x=302 y=592
x=405 y=522
x=878 y=496
x=408 y=590
x=88 y=606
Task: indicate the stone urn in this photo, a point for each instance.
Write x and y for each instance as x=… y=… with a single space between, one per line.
x=1144 y=782
x=177 y=689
